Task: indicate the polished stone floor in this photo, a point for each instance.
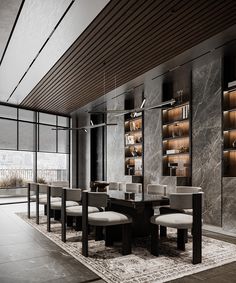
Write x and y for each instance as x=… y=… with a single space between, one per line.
x=28 y=256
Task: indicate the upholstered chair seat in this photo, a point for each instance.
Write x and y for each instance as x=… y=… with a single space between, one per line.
x=108 y=218
x=41 y=196
x=77 y=210
x=174 y=220
x=43 y=200
x=57 y=204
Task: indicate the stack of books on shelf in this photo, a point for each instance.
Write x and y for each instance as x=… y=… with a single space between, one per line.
x=185 y=111
x=231 y=84
x=172 y=151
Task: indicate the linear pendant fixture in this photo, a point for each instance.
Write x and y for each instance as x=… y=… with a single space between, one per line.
x=85 y=128
x=135 y=110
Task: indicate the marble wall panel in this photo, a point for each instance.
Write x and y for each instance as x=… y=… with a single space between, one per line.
x=153 y=138
x=229 y=204
x=115 y=143
x=206 y=135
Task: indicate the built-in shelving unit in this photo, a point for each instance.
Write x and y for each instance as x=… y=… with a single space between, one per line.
x=133 y=145
x=229 y=133
x=176 y=139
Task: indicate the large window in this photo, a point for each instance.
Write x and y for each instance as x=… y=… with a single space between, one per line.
x=30 y=140
x=16 y=168
x=52 y=167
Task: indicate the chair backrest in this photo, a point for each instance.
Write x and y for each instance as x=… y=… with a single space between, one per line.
x=188 y=189
x=43 y=188
x=156 y=189
x=133 y=187
x=94 y=199
x=114 y=186
x=74 y=194
x=182 y=200
x=122 y=186
x=56 y=191
x=60 y=184
x=33 y=187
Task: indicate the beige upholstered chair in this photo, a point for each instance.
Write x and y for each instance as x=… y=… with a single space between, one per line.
x=181 y=222
x=64 y=184
x=41 y=198
x=122 y=186
x=133 y=187
x=73 y=211
x=53 y=192
x=156 y=189
x=105 y=219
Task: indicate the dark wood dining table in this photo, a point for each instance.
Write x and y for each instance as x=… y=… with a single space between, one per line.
x=141 y=208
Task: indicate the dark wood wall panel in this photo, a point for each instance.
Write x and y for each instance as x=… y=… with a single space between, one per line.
x=128 y=38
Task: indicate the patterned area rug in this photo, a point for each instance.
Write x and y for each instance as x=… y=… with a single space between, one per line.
x=140 y=266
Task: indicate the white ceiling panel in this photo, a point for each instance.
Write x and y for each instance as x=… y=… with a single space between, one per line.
x=35 y=23
x=74 y=23
x=8 y=14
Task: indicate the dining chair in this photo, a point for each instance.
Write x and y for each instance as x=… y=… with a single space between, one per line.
x=31 y=196
x=53 y=192
x=122 y=186
x=181 y=222
x=133 y=188
x=64 y=184
x=105 y=219
x=75 y=211
x=41 y=198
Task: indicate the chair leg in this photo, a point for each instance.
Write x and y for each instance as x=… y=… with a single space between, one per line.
x=126 y=239
x=57 y=214
x=155 y=239
x=28 y=196
x=37 y=211
x=197 y=228
x=70 y=220
x=197 y=246
x=85 y=241
x=48 y=219
x=181 y=233
x=63 y=224
x=186 y=236
x=45 y=209
x=108 y=236
x=163 y=231
x=78 y=223
x=99 y=233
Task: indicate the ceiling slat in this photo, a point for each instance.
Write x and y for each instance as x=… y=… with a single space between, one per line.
x=132 y=37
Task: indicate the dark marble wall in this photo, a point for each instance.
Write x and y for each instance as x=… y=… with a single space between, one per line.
x=229 y=204
x=153 y=138
x=219 y=197
x=206 y=135
x=115 y=143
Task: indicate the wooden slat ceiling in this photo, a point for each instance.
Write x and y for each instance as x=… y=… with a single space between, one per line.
x=128 y=38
